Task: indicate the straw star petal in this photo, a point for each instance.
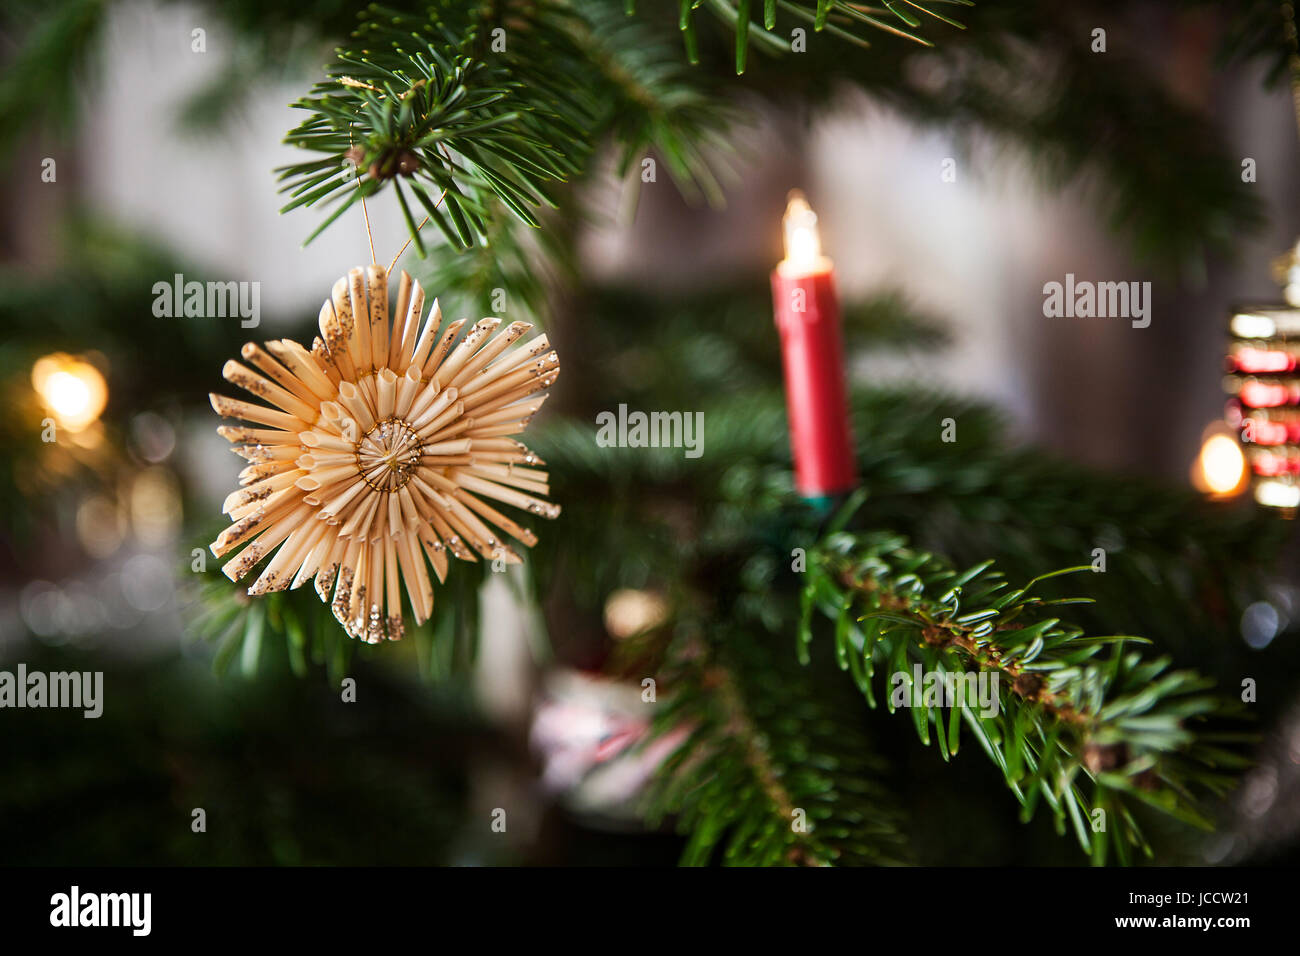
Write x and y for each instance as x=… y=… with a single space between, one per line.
x=379 y=452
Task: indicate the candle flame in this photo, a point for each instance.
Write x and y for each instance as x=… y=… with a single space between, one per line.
x=803 y=247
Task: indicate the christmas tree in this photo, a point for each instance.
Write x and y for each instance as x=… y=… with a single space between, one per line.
x=961 y=649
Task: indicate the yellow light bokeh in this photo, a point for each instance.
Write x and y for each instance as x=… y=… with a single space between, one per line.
x=155 y=502
x=1221 y=465
x=73 y=391
x=629 y=612
x=1277 y=494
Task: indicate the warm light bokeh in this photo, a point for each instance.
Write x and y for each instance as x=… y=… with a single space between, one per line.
x=73 y=391
x=1221 y=465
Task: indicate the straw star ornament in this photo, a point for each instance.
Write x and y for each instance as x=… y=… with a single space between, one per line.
x=380 y=449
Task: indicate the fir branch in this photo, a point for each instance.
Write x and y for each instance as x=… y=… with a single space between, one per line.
x=485 y=109
x=236 y=626
x=418 y=102
x=656 y=102
x=1079 y=729
x=1257 y=29
x=514 y=271
x=297 y=628
x=1197 y=563
x=774 y=770
x=1076 y=123
x=836 y=17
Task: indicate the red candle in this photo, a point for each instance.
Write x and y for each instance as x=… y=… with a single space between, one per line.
x=808 y=318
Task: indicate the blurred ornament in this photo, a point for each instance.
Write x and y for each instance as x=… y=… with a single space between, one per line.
x=1286 y=270
x=630 y=612
x=1264 y=379
x=588 y=731
x=384 y=439
x=72 y=390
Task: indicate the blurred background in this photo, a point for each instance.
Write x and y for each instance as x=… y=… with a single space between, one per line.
x=144 y=156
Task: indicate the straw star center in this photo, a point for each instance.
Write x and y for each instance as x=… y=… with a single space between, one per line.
x=388 y=454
